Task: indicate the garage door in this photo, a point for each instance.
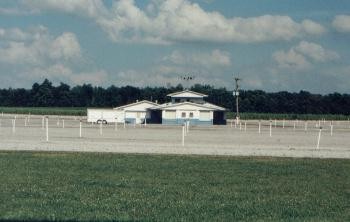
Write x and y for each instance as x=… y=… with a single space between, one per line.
x=204 y=115
x=170 y=114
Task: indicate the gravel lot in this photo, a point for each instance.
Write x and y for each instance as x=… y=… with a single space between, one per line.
x=204 y=140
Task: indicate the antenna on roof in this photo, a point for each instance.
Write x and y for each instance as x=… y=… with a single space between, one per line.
x=186 y=80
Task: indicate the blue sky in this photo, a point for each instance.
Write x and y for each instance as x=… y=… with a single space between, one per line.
x=273 y=45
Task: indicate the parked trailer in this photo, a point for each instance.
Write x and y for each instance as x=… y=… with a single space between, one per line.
x=101 y=115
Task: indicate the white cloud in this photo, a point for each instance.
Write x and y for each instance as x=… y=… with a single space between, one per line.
x=167 y=21
x=302 y=56
x=62 y=73
x=215 y=58
x=316 y=52
x=312 y=27
x=342 y=23
x=291 y=59
x=37 y=46
x=16 y=11
x=65 y=46
x=35 y=54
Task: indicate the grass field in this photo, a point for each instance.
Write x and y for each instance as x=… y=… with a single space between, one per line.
x=107 y=187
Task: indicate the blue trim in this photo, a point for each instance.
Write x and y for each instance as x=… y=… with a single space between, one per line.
x=181 y=121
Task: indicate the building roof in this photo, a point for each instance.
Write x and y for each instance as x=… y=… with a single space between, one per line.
x=187 y=94
x=142 y=105
x=188 y=105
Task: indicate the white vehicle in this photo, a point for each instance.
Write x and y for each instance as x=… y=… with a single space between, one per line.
x=101 y=115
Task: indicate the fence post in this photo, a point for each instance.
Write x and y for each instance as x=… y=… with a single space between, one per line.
x=319 y=138
x=283 y=123
x=47 y=129
x=183 y=135
x=63 y=123
x=245 y=126
x=294 y=126
x=305 y=126
x=14 y=126
x=270 y=128
x=331 y=129
x=80 y=128
x=42 y=122
x=259 y=126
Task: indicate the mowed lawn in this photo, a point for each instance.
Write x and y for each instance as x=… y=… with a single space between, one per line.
x=112 y=187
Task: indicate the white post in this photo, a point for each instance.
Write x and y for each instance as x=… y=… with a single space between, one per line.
x=47 y=129
x=283 y=123
x=259 y=127
x=13 y=125
x=188 y=126
x=145 y=121
x=270 y=128
x=101 y=128
x=294 y=126
x=42 y=122
x=305 y=126
x=245 y=126
x=319 y=138
x=63 y=123
x=275 y=123
x=25 y=121
x=332 y=129
x=80 y=128
x=240 y=125
x=183 y=135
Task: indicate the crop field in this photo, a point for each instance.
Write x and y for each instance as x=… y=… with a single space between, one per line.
x=249 y=138
x=62 y=186
x=64 y=111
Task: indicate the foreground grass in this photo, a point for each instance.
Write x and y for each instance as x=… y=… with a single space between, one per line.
x=76 y=186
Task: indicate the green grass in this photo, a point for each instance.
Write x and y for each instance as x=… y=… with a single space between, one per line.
x=106 y=187
x=64 y=111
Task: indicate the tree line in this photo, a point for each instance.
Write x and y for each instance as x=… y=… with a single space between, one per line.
x=258 y=101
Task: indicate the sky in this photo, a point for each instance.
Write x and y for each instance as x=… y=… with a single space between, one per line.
x=272 y=45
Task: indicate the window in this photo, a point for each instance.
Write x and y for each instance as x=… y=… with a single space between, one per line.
x=183 y=115
x=191 y=115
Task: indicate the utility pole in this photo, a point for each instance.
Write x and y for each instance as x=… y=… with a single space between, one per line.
x=236 y=94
